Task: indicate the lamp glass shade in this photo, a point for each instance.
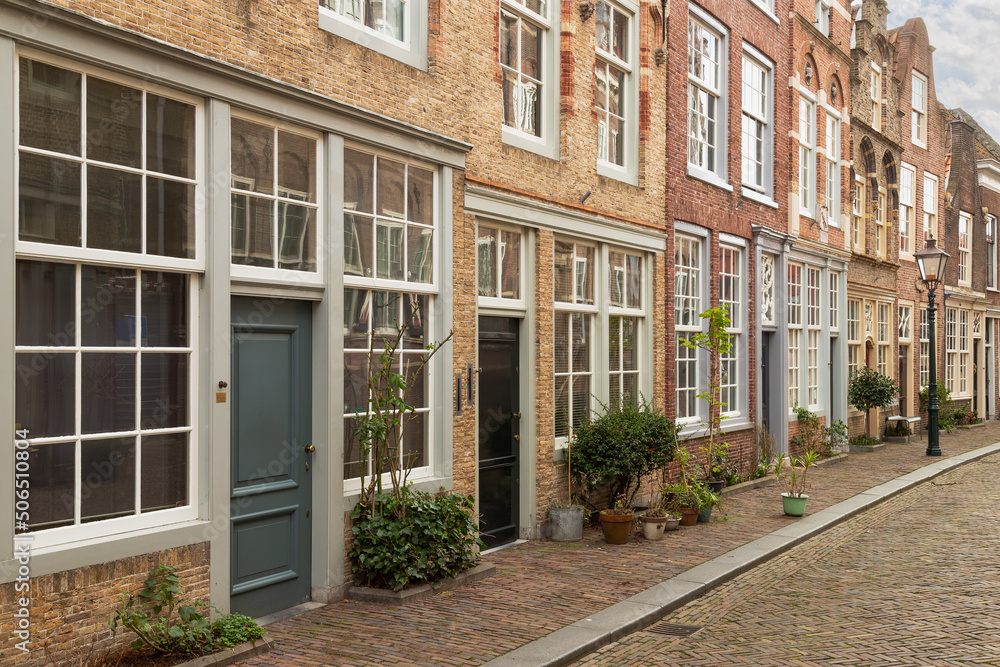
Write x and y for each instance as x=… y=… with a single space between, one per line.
x=931 y=261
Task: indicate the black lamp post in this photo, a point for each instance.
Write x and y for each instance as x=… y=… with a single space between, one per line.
x=931 y=261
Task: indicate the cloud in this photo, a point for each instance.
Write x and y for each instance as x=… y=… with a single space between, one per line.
x=966 y=35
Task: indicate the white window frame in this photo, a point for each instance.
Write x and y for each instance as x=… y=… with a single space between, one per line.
x=114 y=257
x=761 y=121
x=918 y=116
x=813 y=277
x=833 y=167
x=882 y=224
x=855 y=337
x=628 y=171
x=795 y=293
x=716 y=147
x=858 y=209
x=276 y=275
x=907 y=206
x=991 y=253
x=904 y=315
x=964 y=249
x=733 y=295
x=411 y=50
x=638 y=313
x=499 y=301
x=875 y=95
x=964 y=385
x=696 y=303
x=930 y=205
x=807 y=155
x=822 y=21
x=883 y=339
x=951 y=347
x=546 y=142
x=578 y=306
x=834 y=279
x=925 y=349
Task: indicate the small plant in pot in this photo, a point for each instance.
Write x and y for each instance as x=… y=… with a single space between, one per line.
x=657 y=519
x=567 y=519
x=707 y=499
x=616 y=521
x=794 y=500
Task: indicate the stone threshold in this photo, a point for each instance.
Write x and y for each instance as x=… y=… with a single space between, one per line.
x=421 y=592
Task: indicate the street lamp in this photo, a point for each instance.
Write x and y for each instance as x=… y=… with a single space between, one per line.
x=931 y=261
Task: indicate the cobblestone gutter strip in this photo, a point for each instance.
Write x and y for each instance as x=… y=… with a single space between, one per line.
x=587 y=635
x=229 y=655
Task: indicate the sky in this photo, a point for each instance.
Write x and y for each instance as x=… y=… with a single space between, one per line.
x=966 y=36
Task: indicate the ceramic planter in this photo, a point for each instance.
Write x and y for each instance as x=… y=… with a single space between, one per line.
x=672 y=523
x=653 y=526
x=616 y=528
x=716 y=485
x=705 y=513
x=689 y=516
x=794 y=505
x=567 y=523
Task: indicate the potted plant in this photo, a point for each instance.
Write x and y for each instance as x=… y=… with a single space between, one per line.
x=707 y=499
x=684 y=496
x=567 y=520
x=656 y=519
x=794 y=500
x=870 y=389
x=616 y=521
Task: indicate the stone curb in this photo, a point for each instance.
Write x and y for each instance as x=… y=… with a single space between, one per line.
x=229 y=656
x=587 y=635
x=421 y=592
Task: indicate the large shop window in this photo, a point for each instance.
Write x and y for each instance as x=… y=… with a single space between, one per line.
x=389 y=281
x=103 y=392
x=274 y=205
x=104 y=350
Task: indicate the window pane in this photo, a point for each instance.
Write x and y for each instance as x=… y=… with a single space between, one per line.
x=630 y=357
x=581 y=400
x=357 y=316
x=296 y=166
x=561 y=342
x=164 y=309
x=164 y=390
x=50 y=97
x=414 y=437
x=114 y=123
x=561 y=406
x=620 y=40
x=107 y=298
x=581 y=342
x=584 y=275
x=55 y=286
x=358 y=181
x=258 y=216
x=389 y=250
x=355 y=382
x=114 y=209
x=420 y=254
x=563 y=271
x=614 y=344
x=486 y=263
x=420 y=195
x=170 y=215
x=357 y=245
x=413 y=337
x=164 y=471
x=49 y=200
x=510 y=265
x=352 y=452
x=390 y=188
x=296 y=237
x=107 y=392
x=253 y=156
x=52 y=476
x=170 y=144
x=633 y=293
x=44 y=393
x=108 y=479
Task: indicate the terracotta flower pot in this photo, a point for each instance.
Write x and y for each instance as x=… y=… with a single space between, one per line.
x=689 y=516
x=616 y=528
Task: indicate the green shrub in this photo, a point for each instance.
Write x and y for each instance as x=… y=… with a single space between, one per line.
x=411 y=538
x=150 y=615
x=864 y=440
x=897 y=429
x=621 y=447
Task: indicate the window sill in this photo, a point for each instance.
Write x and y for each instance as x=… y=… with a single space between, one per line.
x=413 y=54
x=766 y=10
x=759 y=198
x=623 y=174
x=530 y=143
x=709 y=177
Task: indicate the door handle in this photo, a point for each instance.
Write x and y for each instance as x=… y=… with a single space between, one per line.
x=310 y=448
x=518 y=438
x=516 y=415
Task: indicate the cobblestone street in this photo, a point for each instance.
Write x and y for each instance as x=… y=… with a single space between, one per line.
x=542 y=586
x=916 y=581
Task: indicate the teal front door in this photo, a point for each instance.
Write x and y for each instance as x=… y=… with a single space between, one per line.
x=271 y=454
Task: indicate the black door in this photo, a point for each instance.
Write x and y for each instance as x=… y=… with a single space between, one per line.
x=904 y=369
x=271 y=431
x=975 y=377
x=499 y=430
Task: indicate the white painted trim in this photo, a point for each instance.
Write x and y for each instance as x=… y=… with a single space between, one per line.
x=412 y=50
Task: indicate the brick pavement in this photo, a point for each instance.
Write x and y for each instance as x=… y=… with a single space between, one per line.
x=542 y=586
x=914 y=581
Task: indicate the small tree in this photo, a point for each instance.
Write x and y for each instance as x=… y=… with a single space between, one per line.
x=870 y=389
x=717 y=342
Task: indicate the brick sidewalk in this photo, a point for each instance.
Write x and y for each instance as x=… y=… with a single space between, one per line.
x=542 y=586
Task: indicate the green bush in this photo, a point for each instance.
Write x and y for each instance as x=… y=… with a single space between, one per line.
x=864 y=440
x=150 y=615
x=411 y=538
x=621 y=447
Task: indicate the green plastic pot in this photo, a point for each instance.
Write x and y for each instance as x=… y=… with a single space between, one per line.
x=794 y=505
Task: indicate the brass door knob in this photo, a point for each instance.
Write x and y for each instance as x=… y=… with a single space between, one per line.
x=516 y=415
x=310 y=448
